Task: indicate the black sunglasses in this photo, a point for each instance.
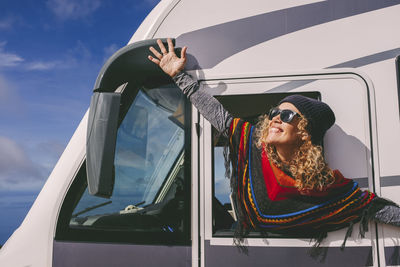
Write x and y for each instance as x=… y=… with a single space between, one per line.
x=287 y=115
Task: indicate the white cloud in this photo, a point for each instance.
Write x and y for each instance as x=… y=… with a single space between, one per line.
x=6 y=23
x=73 y=57
x=8 y=59
x=9 y=22
x=21 y=170
x=13 y=157
x=73 y=9
x=41 y=65
x=16 y=169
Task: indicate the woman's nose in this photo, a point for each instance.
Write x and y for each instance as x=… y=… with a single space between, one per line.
x=277 y=118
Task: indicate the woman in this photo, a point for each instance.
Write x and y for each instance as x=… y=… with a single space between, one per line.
x=280 y=181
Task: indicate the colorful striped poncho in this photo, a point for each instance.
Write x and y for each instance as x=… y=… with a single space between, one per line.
x=267 y=200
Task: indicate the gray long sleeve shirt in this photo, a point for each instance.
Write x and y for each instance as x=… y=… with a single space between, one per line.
x=207 y=105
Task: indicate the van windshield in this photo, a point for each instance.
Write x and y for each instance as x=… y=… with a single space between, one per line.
x=149 y=143
x=149 y=155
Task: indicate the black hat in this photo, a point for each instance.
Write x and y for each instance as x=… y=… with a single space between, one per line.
x=319 y=115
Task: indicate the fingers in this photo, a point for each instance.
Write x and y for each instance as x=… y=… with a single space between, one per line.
x=155 y=52
x=162 y=47
x=183 y=52
x=154 y=60
x=159 y=56
x=170 y=46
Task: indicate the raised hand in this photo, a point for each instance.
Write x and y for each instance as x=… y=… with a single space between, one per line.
x=168 y=60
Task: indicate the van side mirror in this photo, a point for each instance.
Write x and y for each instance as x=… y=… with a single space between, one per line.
x=100 y=142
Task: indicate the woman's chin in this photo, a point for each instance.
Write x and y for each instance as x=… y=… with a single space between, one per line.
x=271 y=142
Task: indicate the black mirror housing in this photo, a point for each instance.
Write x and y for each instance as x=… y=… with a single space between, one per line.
x=100 y=143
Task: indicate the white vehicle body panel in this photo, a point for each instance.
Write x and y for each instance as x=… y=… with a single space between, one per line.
x=263 y=42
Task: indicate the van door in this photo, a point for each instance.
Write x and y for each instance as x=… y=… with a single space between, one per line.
x=146 y=220
x=350 y=146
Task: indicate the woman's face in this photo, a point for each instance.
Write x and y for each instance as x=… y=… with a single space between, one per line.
x=284 y=135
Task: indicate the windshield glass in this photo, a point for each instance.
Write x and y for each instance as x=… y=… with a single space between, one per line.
x=148 y=144
x=149 y=153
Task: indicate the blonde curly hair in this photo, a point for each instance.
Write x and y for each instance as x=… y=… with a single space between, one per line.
x=307 y=166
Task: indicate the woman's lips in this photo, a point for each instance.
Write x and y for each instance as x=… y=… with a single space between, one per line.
x=275 y=130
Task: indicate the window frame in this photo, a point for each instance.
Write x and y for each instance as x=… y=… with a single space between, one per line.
x=215 y=81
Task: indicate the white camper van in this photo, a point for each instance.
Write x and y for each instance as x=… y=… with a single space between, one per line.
x=141 y=183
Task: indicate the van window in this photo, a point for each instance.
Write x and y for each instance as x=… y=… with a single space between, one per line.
x=150 y=201
x=224 y=217
x=340 y=139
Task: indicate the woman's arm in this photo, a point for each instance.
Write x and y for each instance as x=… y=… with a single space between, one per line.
x=207 y=105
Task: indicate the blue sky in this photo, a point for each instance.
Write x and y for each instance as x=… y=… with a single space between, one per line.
x=50 y=54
